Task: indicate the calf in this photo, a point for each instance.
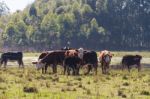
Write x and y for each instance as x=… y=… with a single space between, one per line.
x=129 y=60
x=12 y=56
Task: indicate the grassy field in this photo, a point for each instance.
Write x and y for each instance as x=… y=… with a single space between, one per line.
x=28 y=83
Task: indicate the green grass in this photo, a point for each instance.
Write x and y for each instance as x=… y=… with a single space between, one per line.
x=31 y=84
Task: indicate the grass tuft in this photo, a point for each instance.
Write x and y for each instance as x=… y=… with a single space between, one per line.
x=144 y=92
x=30 y=89
x=126 y=84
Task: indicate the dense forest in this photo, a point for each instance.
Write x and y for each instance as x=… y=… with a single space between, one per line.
x=91 y=24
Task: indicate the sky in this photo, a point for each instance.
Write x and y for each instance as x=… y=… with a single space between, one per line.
x=15 y=5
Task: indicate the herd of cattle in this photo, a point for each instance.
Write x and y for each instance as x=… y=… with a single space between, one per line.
x=72 y=60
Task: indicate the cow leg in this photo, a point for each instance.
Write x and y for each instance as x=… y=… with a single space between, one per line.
x=22 y=63
x=95 y=67
x=64 y=69
x=19 y=62
x=5 y=63
x=89 y=69
x=107 y=68
x=1 y=62
x=139 y=67
x=122 y=67
x=102 y=65
x=129 y=68
x=104 y=69
x=74 y=70
x=78 y=69
x=43 y=68
x=54 y=68
x=46 y=66
x=68 y=70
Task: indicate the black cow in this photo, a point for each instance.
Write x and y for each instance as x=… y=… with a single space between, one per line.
x=90 y=59
x=129 y=60
x=72 y=62
x=12 y=56
x=53 y=58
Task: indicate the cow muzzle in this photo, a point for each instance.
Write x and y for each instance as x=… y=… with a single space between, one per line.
x=39 y=65
x=107 y=59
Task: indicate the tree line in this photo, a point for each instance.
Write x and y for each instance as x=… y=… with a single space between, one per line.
x=91 y=24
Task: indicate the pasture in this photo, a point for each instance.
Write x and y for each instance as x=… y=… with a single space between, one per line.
x=28 y=83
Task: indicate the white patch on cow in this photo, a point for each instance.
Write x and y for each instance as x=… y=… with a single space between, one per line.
x=39 y=65
x=80 y=54
x=107 y=59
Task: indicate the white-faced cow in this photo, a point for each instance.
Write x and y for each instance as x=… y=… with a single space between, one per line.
x=53 y=58
x=105 y=59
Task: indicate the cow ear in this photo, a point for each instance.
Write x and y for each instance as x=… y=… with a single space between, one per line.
x=34 y=62
x=77 y=50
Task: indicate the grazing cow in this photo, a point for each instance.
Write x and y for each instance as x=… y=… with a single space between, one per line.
x=105 y=59
x=129 y=60
x=42 y=55
x=12 y=56
x=53 y=58
x=90 y=59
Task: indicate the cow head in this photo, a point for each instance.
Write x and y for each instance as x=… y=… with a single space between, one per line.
x=105 y=56
x=40 y=65
x=80 y=53
x=138 y=57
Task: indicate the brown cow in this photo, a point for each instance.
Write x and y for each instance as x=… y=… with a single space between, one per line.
x=53 y=58
x=105 y=59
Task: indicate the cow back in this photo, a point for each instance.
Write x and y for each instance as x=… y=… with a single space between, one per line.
x=90 y=57
x=131 y=59
x=55 y=57
x=12 y=55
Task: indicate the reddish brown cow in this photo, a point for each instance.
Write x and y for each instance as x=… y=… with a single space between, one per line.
x=105 y=59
